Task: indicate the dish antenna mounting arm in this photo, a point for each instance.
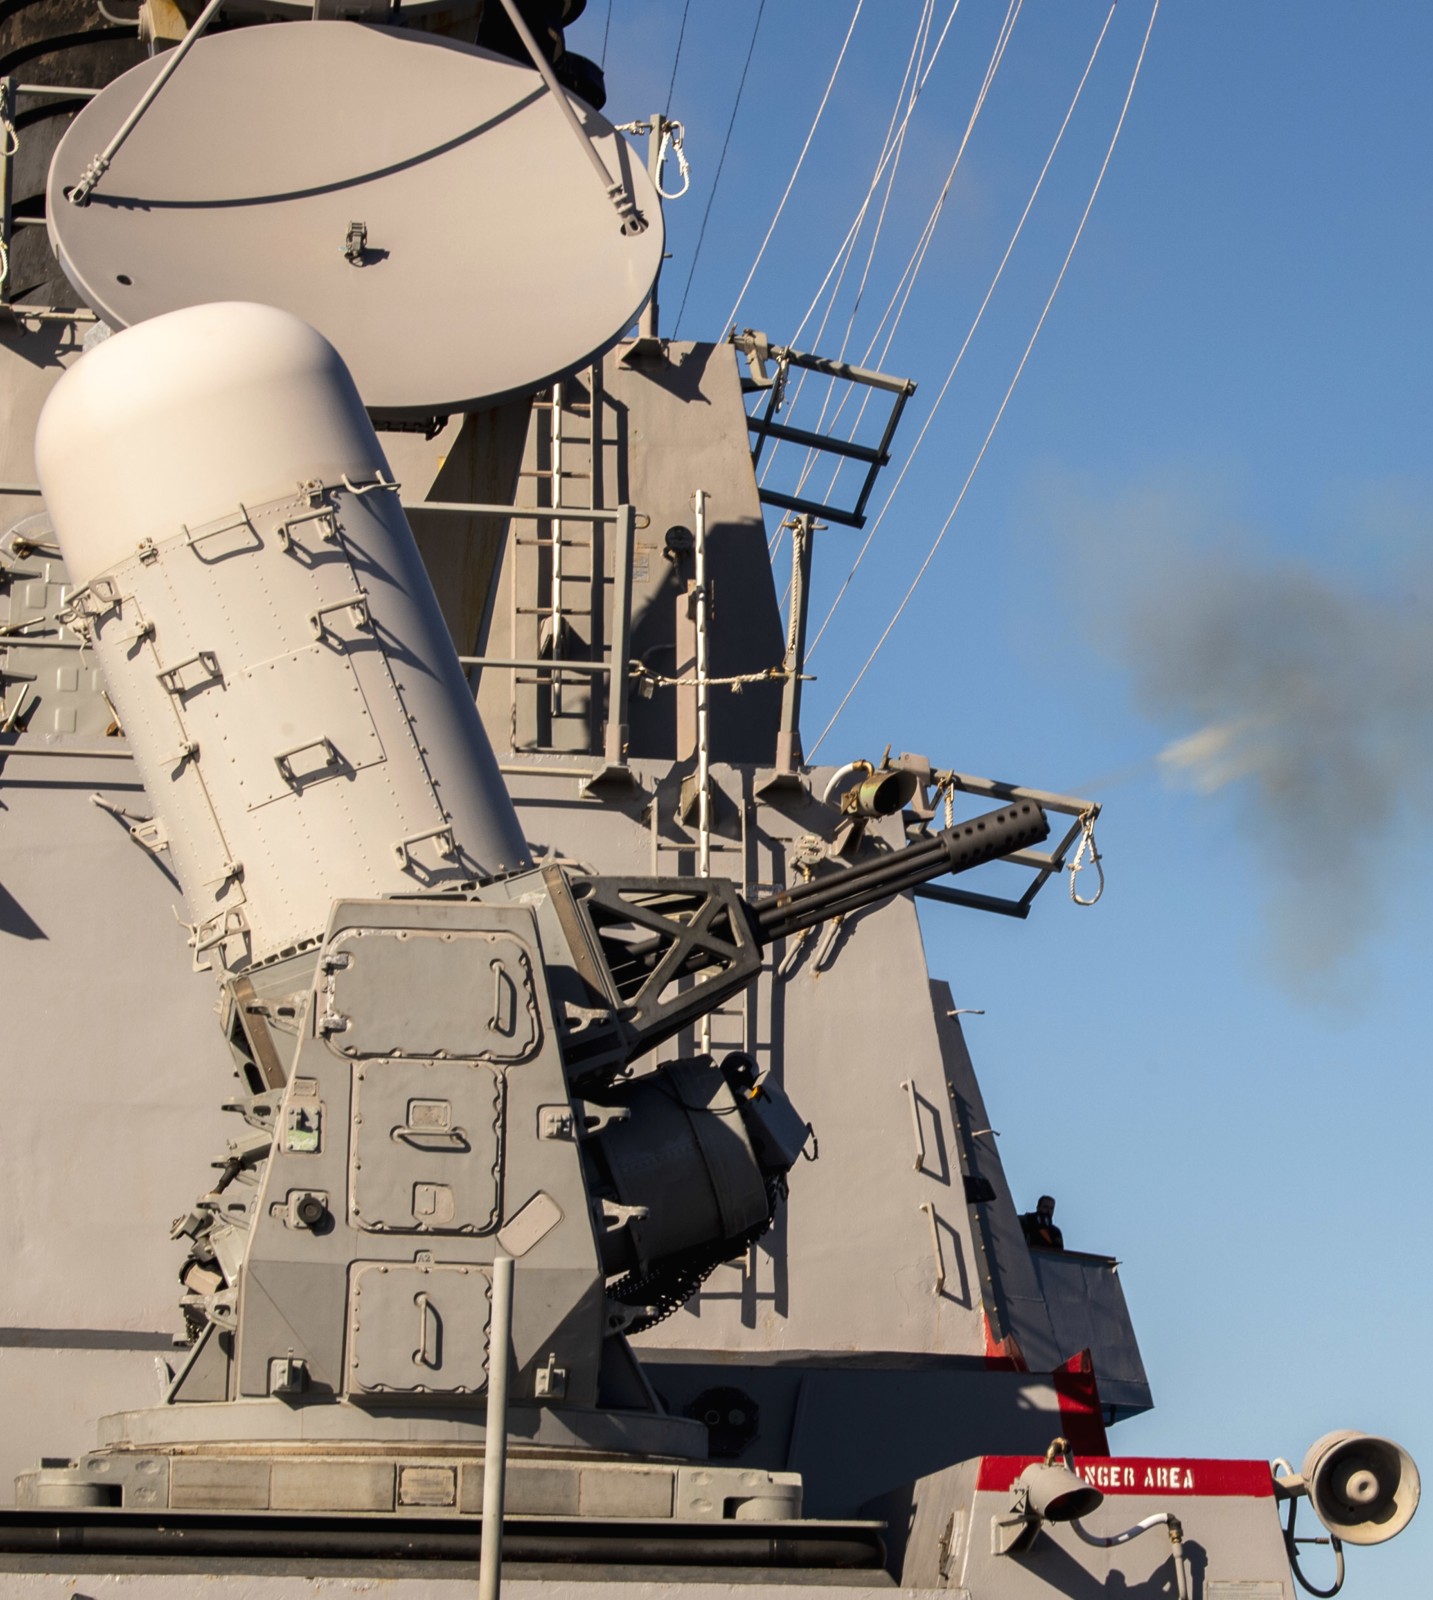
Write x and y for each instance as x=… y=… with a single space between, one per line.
x=632 y=220
x=97 y=168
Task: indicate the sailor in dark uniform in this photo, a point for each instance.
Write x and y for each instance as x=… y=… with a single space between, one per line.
x=1039 y=1225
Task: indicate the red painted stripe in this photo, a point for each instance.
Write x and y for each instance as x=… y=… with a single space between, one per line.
x=1081 y=1415
x=1002 y=1355
x=1144 y=1475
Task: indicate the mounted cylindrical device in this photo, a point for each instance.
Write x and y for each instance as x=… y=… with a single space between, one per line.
x=686 y=1158
x=1363 y=1489
x=686 y=1165
x=958 y=849
x=268 y=634
x=1056 y=1492
x=862 y=790
x=646 y=935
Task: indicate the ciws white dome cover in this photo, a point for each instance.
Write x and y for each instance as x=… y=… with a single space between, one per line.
x=268 y=633
x=177 y=420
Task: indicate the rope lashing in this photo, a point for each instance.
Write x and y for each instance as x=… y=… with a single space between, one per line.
x=672 y=135
x=736 y=682
x=9 y=136
x=1087 y=854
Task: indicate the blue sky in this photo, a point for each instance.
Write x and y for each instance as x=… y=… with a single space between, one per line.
x=1207 y=506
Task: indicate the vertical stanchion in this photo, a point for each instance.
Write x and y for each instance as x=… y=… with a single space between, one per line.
x=615 y=743
x=647 y=322
x=788 y=738
x=704 y=758
x=495 y=1445
x=8 y=150
x=558 y=611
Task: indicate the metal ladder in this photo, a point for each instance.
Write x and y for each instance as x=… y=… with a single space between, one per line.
x=557 y=609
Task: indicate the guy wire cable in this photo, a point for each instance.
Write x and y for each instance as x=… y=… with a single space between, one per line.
x=960 y=354
x=721 y=162
x=677 y=59
x=917 y=259
x=930 y=556
x=891 y=146
x=907 y=280
x=790 y=183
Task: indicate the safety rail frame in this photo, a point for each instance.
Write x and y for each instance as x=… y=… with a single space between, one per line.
x=758 y=351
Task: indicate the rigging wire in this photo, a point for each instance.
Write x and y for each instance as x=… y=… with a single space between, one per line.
x=1060 y=278
x=891 y=148
x=677 y=59
x=811 y=134
x=894 y=138
x=891 y=181
x=960 y=354
x=917 y=260
x=889 y=152
x=721 y=162
x=907 y=280
x=910 y=272
x=606 y=30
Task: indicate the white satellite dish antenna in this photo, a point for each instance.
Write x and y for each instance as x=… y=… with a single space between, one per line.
x=419 y=201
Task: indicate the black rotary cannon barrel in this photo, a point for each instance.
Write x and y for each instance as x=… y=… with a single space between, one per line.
x=958 y=849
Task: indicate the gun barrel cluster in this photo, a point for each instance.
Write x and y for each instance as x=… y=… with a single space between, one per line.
x=958 y=849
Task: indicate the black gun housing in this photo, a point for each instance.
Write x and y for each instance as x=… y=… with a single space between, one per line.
x=657 y=954
x=958 y=849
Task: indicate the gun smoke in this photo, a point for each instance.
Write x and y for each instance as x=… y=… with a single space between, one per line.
x=1308 y=699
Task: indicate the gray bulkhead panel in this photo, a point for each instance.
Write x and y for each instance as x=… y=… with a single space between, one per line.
x=31 y=362
x=53 y=1392
x=114 y=1070
x=116 y=1065
x=941 y=1539
x=1088 y=1310
x=1020 y=1325
x=682 y=425
x=475 y=460
x=59 y=689
x=860 y=1426
x=666 y=426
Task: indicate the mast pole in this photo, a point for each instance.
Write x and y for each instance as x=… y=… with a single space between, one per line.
x=704 y=771
x=788 y=739
x=656 y=132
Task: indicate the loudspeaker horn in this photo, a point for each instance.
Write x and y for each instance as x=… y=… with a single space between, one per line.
x=1363 y=1489
x=1057 y=1493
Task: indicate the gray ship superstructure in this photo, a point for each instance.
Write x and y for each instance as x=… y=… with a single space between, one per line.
x=427 y=935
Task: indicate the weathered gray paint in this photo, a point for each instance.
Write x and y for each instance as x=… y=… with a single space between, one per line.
x=859 y=1327
x=266 y=218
